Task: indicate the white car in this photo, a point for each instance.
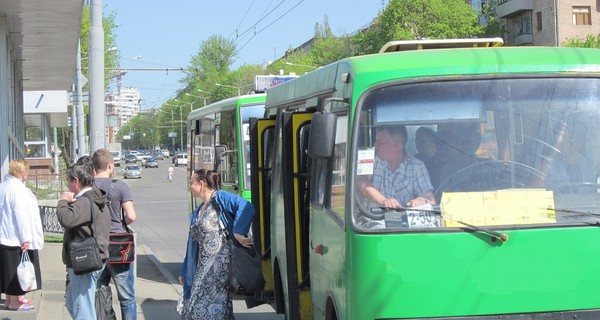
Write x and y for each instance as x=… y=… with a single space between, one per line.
x=181 y=159
x=165 y=152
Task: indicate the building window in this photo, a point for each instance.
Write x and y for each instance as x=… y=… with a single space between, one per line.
x=527 y=23
x=582 y=16
x=538 y=18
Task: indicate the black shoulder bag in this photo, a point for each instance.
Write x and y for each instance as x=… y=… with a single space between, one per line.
x=85 y=253
x=121 y=246
x=247 y=270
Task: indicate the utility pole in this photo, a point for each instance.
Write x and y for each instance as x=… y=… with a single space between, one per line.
x=80 y=82
x=97 y=107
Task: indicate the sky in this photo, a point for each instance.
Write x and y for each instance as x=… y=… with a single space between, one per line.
x=166 y=34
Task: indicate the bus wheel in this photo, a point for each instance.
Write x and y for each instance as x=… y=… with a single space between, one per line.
x=330 y=313
x=279 y=297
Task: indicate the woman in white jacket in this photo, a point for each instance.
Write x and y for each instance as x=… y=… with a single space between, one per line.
x=20 y=230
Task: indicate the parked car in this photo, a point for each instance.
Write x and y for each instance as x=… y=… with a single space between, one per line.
x=130 y=158
x=151 y=163
x=132 y=172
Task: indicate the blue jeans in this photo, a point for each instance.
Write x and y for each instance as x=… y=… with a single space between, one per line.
x=124 y=278
x=81 y=295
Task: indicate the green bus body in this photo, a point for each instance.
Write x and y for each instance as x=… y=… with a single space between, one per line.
x=229 y=117
x=328 y=265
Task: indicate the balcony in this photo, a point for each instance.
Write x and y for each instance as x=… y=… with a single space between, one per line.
x=524 y=40
x=507 y=8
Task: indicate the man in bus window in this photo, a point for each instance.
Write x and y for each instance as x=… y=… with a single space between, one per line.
x=399 y=179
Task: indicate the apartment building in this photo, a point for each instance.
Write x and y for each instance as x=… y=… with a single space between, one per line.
x=121 y=105
x=547 y=22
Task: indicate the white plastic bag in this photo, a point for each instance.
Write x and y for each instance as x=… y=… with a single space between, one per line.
x=26 y=273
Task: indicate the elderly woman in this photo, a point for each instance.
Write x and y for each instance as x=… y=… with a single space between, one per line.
x=20 y=230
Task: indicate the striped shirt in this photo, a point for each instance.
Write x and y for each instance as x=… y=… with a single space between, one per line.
x=409 y=181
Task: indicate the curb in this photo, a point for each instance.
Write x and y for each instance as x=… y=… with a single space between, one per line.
x=165 y=273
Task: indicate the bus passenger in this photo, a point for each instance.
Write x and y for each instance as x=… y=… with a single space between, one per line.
x=460 y=149
x=398 y=179
x=426 y=143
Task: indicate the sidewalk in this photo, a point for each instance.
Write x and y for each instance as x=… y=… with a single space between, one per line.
x=155 y=294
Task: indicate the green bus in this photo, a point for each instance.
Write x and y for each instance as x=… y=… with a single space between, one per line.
x=219 y=137
x=510 y=222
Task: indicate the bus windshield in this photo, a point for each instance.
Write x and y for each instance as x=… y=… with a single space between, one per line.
x=486 y=152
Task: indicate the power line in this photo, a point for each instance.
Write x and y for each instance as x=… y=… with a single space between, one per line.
x=261 y=19
x=244 y=17
x=270 y=24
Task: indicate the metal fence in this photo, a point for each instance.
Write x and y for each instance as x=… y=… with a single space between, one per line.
x=53 y=183
x=50 y=220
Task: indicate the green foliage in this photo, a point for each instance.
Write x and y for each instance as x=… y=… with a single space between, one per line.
x=589 y=41
x=112 y=57
x=417 y=19
x=495 y=26
x=53 y=239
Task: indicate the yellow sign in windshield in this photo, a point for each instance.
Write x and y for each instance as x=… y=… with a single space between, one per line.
x=502 y=207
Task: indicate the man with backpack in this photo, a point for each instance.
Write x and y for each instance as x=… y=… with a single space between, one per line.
x=120 y=203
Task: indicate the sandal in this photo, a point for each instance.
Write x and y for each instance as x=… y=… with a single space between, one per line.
x=25 y=301
x=23 y=307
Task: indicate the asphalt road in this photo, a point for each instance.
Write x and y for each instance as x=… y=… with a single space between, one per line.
x=162 y=223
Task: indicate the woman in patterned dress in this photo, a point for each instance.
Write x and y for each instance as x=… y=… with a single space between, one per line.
x=206 y=270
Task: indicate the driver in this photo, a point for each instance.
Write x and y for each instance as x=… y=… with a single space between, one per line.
x=398 y=179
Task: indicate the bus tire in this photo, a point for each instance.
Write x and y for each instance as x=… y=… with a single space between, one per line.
x=278 y=287
x=330 y=312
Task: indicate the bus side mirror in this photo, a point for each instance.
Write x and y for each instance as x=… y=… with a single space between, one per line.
x=321 y=139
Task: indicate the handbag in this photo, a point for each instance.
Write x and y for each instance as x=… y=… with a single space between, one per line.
x=247 y=270
x=121 y=246
x=84 y=254
x=26 y=273
x=247 y=274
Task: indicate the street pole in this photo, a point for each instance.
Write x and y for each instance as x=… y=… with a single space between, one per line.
x=172 y=138
x=97 y=107
x=81 y=81
x=74 y=145
x=180 y=129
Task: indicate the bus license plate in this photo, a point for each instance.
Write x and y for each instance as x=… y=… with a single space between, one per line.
x=422 y=219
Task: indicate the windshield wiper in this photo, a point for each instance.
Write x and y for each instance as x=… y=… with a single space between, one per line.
x=573 y=212
x=495 y=235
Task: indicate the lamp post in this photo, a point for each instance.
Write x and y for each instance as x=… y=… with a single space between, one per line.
x=172 y=121
x=199 y=97
x=301 y=65
x=180 y=123
x=191 y=104
x=228 y=86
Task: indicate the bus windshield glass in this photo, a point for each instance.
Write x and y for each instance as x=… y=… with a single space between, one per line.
x=247 y=112
x=520 y=152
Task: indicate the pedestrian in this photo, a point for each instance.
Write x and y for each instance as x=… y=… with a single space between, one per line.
x=74 y=211
x=170 y=177
x=206 y=270
x=20 y=231
x=121 y=200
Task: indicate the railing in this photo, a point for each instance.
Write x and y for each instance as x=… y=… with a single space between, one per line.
x=52 y=183
x=50 y=220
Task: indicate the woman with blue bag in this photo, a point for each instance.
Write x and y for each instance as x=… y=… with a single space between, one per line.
x=206 y=270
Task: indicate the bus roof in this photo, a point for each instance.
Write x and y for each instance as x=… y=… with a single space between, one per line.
x=369 y=70
x=228 y=104
x=404 y=45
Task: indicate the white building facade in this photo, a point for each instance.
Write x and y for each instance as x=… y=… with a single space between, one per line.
x=121 y=105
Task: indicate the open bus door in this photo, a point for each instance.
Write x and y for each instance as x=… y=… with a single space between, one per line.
x=261 y=137
x=295 y=174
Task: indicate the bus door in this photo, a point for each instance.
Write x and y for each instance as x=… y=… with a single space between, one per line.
x=261 y=139
x=295 y=184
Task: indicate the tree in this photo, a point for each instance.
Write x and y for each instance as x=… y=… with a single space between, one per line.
x=418 y=19
x=495 y=26
x=213 y=61
x=111 y=60
x=590 y=41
